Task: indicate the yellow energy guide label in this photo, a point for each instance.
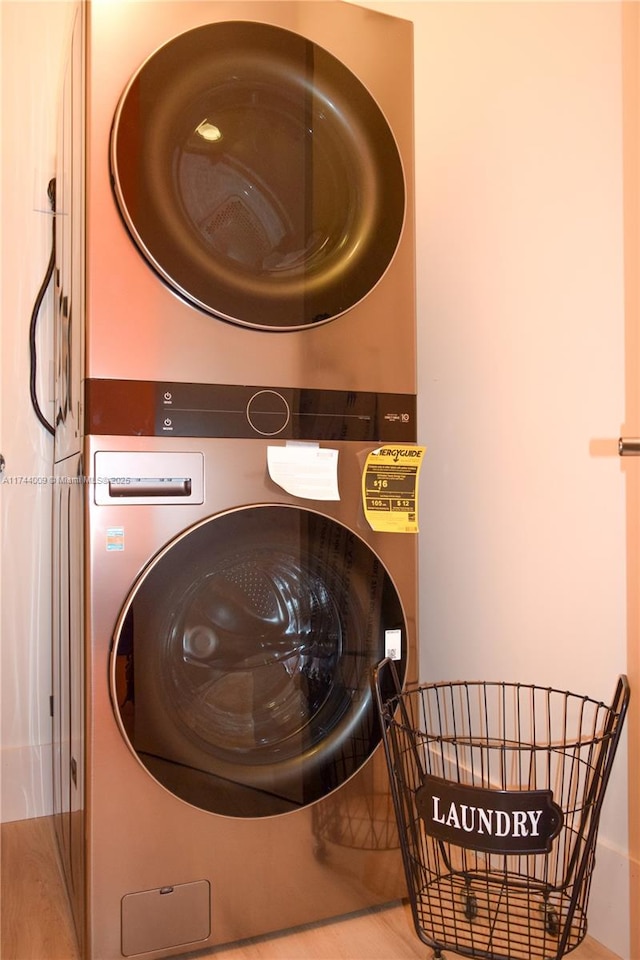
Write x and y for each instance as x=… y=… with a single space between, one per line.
x=390 y=487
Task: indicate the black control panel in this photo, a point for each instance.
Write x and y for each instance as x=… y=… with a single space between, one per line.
x=158 y=409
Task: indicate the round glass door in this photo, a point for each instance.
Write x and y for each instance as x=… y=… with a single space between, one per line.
x=241 y=667
x=257 y=175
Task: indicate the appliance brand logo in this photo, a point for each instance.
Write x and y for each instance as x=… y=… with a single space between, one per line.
x=398 y=417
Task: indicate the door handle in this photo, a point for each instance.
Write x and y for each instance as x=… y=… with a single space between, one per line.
x=150 y=487
x=629 y=447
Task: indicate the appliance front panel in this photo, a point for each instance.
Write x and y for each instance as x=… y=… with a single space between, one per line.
x=139 y=328
x=328 y=857
x=142 y=408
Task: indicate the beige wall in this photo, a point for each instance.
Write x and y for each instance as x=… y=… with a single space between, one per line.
x=522 y=394
x=519 y=141
x=32 y=48
x=631 y=427
x=521 y=326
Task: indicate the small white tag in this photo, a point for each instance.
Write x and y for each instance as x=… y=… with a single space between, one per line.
x=305 y=470
x=115 y=538
x=393 y=644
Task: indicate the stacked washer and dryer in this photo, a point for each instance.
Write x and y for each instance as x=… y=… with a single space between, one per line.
x=235 y=335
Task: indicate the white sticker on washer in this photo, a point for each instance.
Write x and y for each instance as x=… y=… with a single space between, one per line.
x=305 y=470
x=115 y=538
x=393 y=644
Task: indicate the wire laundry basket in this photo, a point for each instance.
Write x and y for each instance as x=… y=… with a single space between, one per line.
x=497 y=791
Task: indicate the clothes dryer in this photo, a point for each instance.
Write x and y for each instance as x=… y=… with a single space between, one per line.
x=250 y=194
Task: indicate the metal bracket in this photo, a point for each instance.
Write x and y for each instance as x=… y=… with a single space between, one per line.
x=629 y=446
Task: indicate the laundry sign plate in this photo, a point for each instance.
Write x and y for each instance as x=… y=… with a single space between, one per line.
x=494 y=821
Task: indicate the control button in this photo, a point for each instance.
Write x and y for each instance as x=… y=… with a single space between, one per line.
x=168 y=397
x=268 y=413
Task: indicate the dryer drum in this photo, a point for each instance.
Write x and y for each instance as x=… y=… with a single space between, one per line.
x=243 y=659
x=257 y=175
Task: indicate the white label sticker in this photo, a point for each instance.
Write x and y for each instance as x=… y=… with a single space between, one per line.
x=115 y=538
x=393 y=644
x=305 y=470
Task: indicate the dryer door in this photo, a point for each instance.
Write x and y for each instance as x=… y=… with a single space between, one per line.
x=257 y=175
x=241 y=667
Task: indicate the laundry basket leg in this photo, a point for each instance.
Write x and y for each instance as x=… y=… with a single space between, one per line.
x=551 y=918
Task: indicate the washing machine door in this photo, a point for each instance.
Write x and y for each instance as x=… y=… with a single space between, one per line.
x=241 y=666
x=257 y=175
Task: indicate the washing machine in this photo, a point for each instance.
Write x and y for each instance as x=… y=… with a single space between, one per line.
x=236 y=784
x=235 y=340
